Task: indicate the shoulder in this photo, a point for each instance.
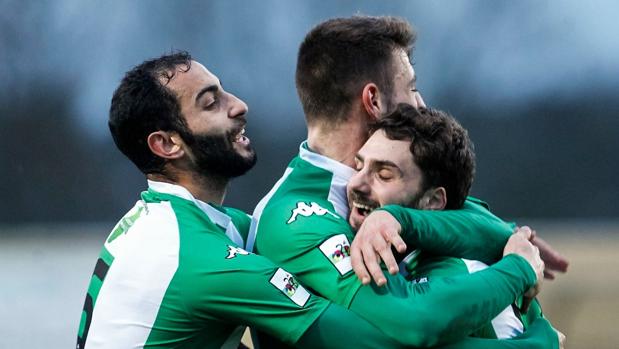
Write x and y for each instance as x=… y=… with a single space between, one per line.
x=303 y=214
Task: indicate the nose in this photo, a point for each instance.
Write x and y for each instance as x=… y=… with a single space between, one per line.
x=358 y=183
x=237 y=107
x=419 y=103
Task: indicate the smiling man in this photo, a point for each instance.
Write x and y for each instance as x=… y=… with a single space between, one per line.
x=173 y=272
x=424 y=159
x=351 y=72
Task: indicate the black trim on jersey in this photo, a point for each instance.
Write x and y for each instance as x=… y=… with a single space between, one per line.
x=88 y=307
x=101 y=269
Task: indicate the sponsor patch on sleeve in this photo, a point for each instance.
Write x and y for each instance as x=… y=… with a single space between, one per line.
x=337 y=250
x=285 y=282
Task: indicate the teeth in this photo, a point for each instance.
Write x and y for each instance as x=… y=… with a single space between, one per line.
x=239 y=135
x=362 y=206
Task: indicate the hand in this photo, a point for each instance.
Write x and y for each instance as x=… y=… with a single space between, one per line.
x=561 y=339
x=379 y=231
x=553 y=260
x=519 y=244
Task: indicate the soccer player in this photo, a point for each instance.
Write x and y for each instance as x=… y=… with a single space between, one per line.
x=173 y=272
x=351 y=71
x=424 y=159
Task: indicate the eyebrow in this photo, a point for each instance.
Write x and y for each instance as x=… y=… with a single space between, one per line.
x=383 y=163
x=209 y=88
x=378 y=163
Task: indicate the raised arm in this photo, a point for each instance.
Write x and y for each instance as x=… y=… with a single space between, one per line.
x=472 y=232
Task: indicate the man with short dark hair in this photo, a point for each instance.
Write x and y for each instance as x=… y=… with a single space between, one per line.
x=173 y=272
x=350 y=72
x=424 y=159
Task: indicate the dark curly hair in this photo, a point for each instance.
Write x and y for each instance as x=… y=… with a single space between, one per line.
x=142 y=104
x=440 y=146
x=339 y=56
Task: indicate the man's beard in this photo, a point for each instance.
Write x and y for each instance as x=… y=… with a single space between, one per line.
x=215 y=155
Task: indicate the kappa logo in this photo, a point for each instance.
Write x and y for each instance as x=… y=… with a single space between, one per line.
x=289 y=286
x=233 y=251
x=306 y=210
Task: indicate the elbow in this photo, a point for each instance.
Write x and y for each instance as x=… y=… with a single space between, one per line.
x=421 y=331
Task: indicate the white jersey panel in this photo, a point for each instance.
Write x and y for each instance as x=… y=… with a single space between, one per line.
x=506 y=324
x=253 y=228
x=146 y=255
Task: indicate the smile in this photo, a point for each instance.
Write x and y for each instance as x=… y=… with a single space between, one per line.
x=363 y=209
x=240 y=137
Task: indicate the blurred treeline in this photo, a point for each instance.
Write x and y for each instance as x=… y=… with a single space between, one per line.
x=536 y=91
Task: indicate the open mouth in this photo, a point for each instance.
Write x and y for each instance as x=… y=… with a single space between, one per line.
x=240 y=137
x=364 y=209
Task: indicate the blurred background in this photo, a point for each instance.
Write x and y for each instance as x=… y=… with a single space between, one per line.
x=535 y=83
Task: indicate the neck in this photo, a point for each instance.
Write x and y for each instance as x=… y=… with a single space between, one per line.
x=338 y=142
x=208 y=189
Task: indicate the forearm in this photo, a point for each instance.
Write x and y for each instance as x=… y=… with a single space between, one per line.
x=540 y=335
x=444 y=309
x=338 y=327
x=472 y=232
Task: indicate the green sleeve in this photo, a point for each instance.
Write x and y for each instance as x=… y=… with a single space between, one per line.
x=534 y=312
x=243 y=288
x=540 y=335
x=339 y=328
x=314 y=247
x=429 y=313
x=472 y=232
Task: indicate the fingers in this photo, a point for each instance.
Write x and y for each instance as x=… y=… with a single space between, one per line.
x=398 y=242
x=554 y=260
x=562 y=339
x=548 y=275
x=372 y=244
x=387 y=256
x=372 y=261
x=529 y=296
x=357 y=264
x=526 y=303
x=525 y=232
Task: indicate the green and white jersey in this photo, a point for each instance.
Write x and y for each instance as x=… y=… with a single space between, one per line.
x=301 y=224
x=420 y=266
x=173 y=274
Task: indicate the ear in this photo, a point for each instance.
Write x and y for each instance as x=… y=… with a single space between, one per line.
x=434 y=199
x=370 y=97
x=166 y=145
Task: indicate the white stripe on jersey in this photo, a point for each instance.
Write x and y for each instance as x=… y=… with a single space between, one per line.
x=145 y=260
x=506 y=324
x=253 y=228
x=341 y=177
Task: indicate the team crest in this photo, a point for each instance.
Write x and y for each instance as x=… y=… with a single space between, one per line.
x=234 y=251
x=337 y=250
x=289 y=286
x=305 y=210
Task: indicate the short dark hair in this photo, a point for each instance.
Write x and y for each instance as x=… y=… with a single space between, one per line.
x=339 y=56
x=142 y=104
x=440 y=147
